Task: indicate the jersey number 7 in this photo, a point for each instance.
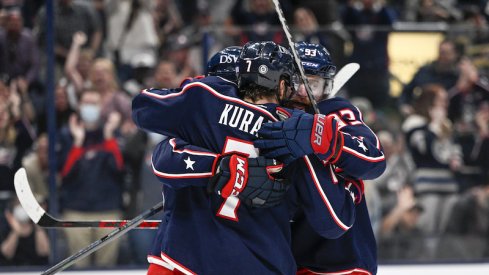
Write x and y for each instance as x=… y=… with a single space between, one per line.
x=230 y=205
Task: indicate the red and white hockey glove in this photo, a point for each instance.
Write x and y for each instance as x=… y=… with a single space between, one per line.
x=300 y=135
x=252 y=180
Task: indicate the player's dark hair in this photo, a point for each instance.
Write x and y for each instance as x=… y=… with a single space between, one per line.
x=256 y=92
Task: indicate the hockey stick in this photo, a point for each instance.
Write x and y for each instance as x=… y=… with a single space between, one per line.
x=342 y=77
x=39 y=216
x=297 y=60
x=112 y=236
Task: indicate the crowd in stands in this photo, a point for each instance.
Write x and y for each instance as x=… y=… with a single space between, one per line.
x=432 y=203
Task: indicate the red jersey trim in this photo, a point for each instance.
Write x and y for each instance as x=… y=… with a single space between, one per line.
x=323 y=195
x=213 y=92
x=176 y=264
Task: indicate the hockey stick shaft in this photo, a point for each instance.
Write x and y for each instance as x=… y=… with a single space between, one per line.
x=39 y=216
x=297 y=60
x=146 y=224
x=112 y=236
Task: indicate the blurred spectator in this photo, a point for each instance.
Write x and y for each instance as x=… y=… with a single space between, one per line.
x=260 y=22
x=142 y=65
x=428 y=135
x=332 y=36
x=16 y=135
x=438 y=11
x=37 y=169
x=308 y=29
x=91 y=177
x=467 y=231
x=99 y=9
x=442 y=71
x=63 y=108
x=131 y=31
x=104 y=81
x=475 y=148
x=178 y=52
x=474 y=25
x=20 y=56
x=370 y=49
x=400 y=236
x=71 y=17
x=77 y=67
x=326 y=11
x=470 y=90
x=399 y=168
x=165 y=75
x=22 y=243
x=167 y=19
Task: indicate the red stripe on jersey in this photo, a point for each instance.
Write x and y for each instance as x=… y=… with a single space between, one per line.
x=364 y=157
x=323 y=195
x=177 y=265
x=193 y=152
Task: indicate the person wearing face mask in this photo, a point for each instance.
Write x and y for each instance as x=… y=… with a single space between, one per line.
x=22 y=243
x=91 y=176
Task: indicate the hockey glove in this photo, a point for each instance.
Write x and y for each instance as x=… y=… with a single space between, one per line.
x=250 y=179
x=300 y=135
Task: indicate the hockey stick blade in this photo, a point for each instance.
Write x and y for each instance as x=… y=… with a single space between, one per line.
x=342 y=77
x=297 y=60
x=39 y=216
x=115 y=234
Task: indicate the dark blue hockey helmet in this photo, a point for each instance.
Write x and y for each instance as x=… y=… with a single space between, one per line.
x=317 y=62
x=224 y=63
x=264 y=64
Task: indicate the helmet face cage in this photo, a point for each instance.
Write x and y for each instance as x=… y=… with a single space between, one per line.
x=264 y=64
x=224 y=63
x=316 y=61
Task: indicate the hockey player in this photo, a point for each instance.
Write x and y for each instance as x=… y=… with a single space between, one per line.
x=355 y=252
x=360 y=157
x=213 y=233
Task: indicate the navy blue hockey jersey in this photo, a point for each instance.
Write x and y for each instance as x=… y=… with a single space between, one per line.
x=204 y=233
x=361 y=158
x=314 y=248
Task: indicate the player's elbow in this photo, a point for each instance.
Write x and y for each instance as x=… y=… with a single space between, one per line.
x=331 y=232
x=333 y=229
x=375 y=171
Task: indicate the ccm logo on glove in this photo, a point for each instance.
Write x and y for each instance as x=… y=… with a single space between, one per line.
x=239 y=164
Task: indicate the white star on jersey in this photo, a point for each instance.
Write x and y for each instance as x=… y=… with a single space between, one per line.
x=361 y=145
x=190 y=163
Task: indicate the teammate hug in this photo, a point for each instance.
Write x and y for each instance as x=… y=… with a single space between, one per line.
x=254 y=183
